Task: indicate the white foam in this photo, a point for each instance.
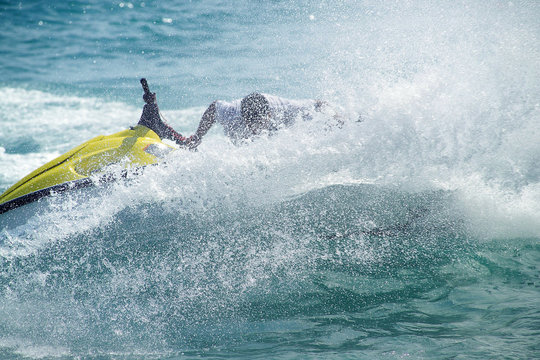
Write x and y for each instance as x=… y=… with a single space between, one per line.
x=410 y=151
x=454 y=109
x=30 y=350
x=493 y=211
x=15 y=166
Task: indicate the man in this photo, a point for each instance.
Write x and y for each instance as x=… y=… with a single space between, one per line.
x=254 y=114
x=241 y=119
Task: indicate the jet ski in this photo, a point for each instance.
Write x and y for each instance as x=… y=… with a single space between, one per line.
x=90 y=163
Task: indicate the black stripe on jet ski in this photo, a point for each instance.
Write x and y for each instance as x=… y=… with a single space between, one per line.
x=36 y=195
x=70 y=185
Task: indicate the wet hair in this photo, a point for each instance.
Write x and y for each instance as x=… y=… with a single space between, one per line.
x=254 y=109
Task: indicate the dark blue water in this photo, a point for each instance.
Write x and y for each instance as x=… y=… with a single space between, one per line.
x=412 y=234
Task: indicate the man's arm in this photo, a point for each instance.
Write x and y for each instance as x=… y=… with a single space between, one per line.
x=151 y=119
x=207 y=120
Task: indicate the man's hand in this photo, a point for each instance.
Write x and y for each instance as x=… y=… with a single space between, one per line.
x=149 y=98
x=192 y=142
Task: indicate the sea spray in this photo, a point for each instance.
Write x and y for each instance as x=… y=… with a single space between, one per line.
x=411 y=231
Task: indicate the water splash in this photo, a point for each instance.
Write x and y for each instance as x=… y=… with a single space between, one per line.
x=327 y=239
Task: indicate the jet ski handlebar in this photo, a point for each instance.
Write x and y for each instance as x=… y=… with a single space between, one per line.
x=148 y=96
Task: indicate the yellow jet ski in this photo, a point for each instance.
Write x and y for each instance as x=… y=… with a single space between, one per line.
x=87 y=164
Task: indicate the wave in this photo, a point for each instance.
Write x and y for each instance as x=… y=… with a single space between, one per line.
x=413 y=143
x=156 y=276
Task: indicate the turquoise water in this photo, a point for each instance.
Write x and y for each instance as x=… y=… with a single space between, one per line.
x=412 y=234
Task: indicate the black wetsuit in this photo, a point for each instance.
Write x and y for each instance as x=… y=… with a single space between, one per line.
x=151 y=119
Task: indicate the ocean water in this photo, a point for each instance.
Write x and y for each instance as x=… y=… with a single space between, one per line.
x=413 y=233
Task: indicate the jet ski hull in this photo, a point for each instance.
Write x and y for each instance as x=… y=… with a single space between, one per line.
x=88 y=164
